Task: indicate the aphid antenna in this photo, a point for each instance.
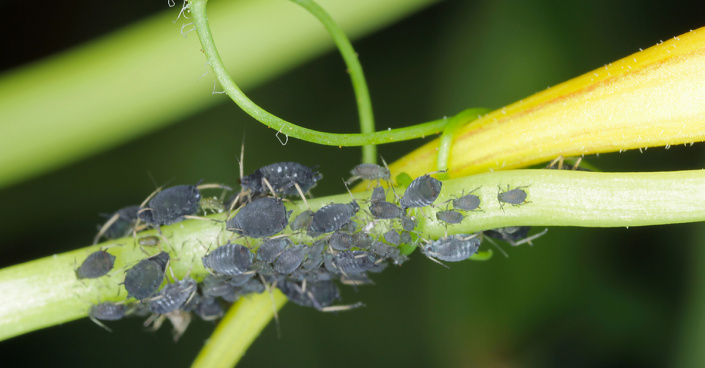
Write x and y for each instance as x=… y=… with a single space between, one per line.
x=99 y=323
x=235 y=201
x=212 y=186
x=529 y=239
x=496 y=246
x=341 y=308
x=268 y=288
x=301 y=193
x=106 y=226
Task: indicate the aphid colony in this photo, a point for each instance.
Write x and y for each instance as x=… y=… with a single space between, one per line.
x=338 y=242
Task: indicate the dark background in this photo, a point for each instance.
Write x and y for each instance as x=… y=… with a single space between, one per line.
x=579 y=298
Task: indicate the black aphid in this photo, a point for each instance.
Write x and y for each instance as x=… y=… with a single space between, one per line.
x=405 y=237
x=384 y=251
x=362 y=240
x=290 y=260
x=316 y=295
x=272 y=248
x=515 y=197
x=149 y=240
x=282 y=176
x=332 y=217
x=369 y=172
x=171 y=205
x=207 y=308
x=107 y=311
x=97 y=264
x=173 y=296
x=385 y=210
x=392 y=237
x=341 y=241
x=144 y=278
x=240 y=280
x=355 y=261
x=229 y=259
x=349 y=226
x=215 y=286
x=468 y=202
x=378 y=194
x=408 y=223
x=450 y=217
x=514 y=235
x=421 y=192
x=261 y=218
x=302 y=221
x=121 y=226
x=454 y=248
x=314 y=255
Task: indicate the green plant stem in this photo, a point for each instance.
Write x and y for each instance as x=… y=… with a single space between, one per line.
x=362 y=94
x=198 y=10
x=446 y=141
x=45 y=292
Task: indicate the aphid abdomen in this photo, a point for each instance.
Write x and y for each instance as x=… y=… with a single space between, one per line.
x=422 y=192
x=332 y=217
x=468 y=202
x=107 y=311
x=384 y=210
x=271 y=249
x=455 y=248
x=97 y=264
x=229 y=259
x=172 y=204
x=516 y=196
x=341 y=241
x=509 y=233
x=354 y=261
x=290 y=260
x=450 y=217
x=261 y=218
x=302 y=221
x=173 y=296
x=144 y=278
x=392 y=237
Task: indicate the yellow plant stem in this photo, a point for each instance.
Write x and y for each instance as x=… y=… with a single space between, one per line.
x=655 y=97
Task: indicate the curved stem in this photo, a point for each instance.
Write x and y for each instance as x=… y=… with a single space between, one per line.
x=198 y=10
x=362 y=94
x=446 y=141
x=45 y=292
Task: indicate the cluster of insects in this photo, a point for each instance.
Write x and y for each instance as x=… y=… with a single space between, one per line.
x=305 y=256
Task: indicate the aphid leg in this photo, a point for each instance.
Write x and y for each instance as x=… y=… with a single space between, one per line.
x=191 y=217
x=269 y=289
x=100 y=324
x=235 y=201
x=496 y=246
x=558 y=160
x=577 y=163
x=340 y=308
x=437 y=261
x=301 y=193
x=105 y=227
x=529 y=239
x=269 y=186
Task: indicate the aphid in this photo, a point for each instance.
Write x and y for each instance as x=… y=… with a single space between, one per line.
x=207 y=308
x=450 y=217
x=173 y=296
x=149 y=240
x=369 y=172
x=144 y=278
x=378 y=194
x=468 y=202
x=119 y=224
x=318 y=295
x=355 y=261
x=349 y=226
x=272 y=248
x=421 y=192
x=341 y=241
x=384 y=251
x=261 y=218
x=408 y=223
x=229 y=259
x=385 y=210
x=362 y=240
x=171 y=205
x=282 y=177
x=107 y=311
x=302 y=221
x=405 y=237
x=314 y=255
x=215 y=286
x=392 y=237
x=240 y=280
x=97 y=264
x=454 y=248
x=332 y=217
x=514 y=235
x=515 y=197
x=290 y=260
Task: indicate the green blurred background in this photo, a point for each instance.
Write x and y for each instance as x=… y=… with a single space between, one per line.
x=578 y=298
